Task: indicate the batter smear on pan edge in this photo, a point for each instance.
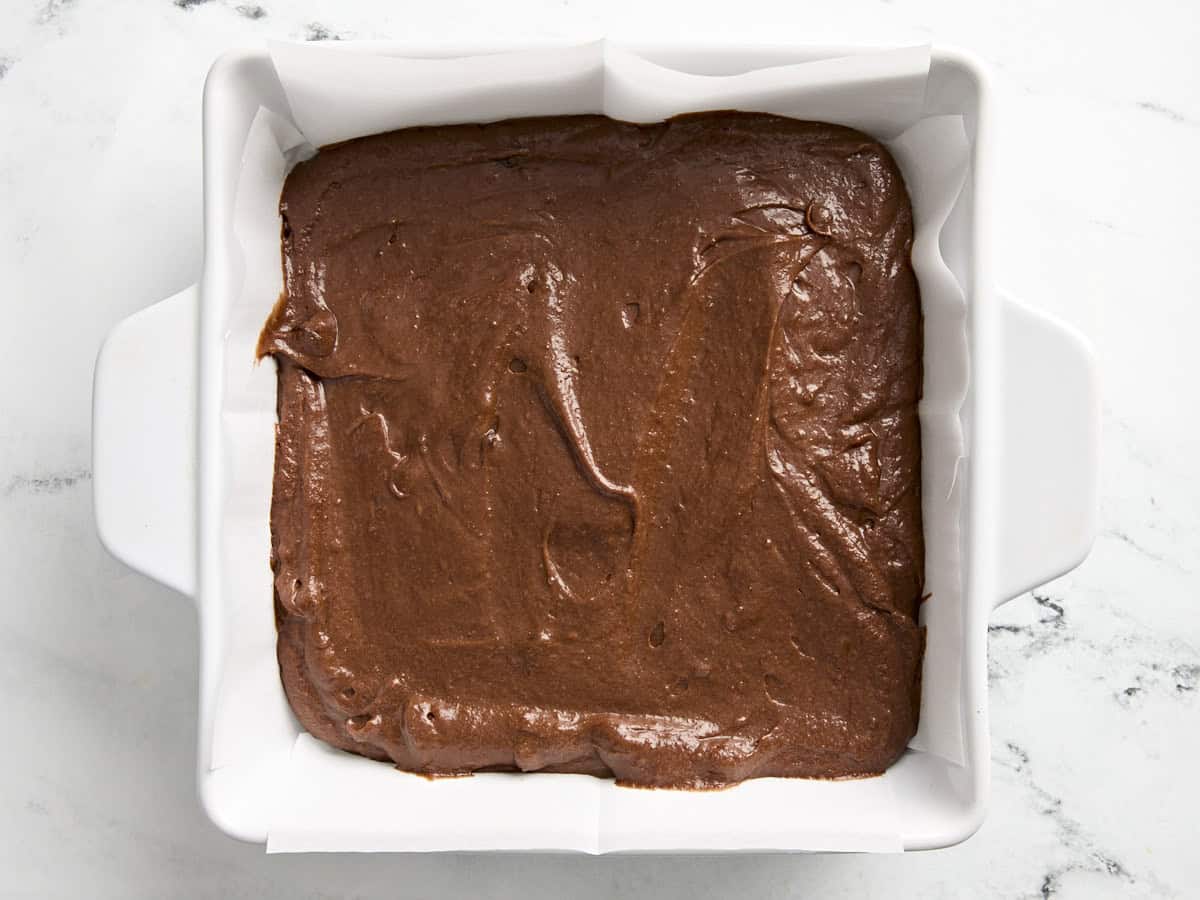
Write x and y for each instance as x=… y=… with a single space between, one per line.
x=598 y=449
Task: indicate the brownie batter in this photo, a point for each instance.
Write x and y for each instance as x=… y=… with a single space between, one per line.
x=598 y=449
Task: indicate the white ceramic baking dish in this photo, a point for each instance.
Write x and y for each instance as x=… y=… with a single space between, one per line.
x=1031 y=416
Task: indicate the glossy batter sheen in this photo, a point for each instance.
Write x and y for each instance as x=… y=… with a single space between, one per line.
x=598 y=449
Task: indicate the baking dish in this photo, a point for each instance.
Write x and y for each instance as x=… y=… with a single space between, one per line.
x=1029 y=512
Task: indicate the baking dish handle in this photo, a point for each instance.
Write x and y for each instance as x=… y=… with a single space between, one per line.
x=1050 y=449
x=144 y=441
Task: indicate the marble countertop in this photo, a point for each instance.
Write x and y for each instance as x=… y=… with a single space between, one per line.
x=1095 y=679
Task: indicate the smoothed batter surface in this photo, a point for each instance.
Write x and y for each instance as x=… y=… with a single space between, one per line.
x=598 y=449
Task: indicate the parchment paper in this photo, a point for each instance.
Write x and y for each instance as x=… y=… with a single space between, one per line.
x=330 y=800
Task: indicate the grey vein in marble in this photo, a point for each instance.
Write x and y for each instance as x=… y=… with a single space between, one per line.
x=1127 y=539
x=1137 y=662
x=1180 y=678
x=1167 y=112
x=315 y=31
x=50 y=10
x=53 y=483
x=1080 y=847
x=1048 y=630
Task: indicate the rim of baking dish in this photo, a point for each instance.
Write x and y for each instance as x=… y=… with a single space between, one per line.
x=965 y=82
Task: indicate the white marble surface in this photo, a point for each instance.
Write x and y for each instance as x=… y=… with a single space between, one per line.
x=1095 y=679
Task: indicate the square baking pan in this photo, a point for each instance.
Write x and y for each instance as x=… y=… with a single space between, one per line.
x=1028 y=515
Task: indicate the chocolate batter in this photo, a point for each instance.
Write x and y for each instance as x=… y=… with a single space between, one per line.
x=598 y=449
